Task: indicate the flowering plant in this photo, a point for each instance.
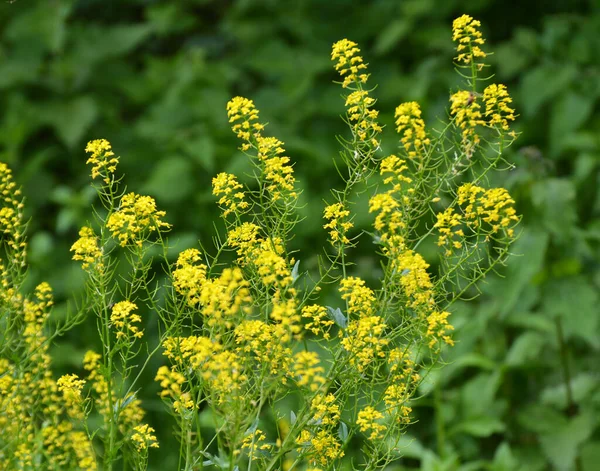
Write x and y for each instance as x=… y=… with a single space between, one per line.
x=247 y=334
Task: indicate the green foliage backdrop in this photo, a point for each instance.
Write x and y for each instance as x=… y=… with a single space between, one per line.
x=522 y=388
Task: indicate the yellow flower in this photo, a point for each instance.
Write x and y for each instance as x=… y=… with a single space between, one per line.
x=349 y=63
x=321 y=447
x=366 y=421
x=144 y=437
x=325 y=410
x=71 y=386
x=465 y=31
x=103 y=160
x=231 y=200
x=123 y=319
x=467 y=115
x=364 y=341
x=412 y=127
x=136 y=217
x=242 y=111
x=86 y=248
x=189 y=276
x=307 y=372
x=338 y=224
x=319 y=322
x=359 y=297
x=497 y=109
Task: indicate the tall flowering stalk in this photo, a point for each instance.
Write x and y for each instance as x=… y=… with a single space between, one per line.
x=288 y=376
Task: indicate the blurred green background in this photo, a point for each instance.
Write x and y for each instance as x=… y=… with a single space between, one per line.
x=521 y=390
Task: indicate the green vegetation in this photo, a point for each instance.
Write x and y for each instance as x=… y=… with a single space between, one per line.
x=521 y=389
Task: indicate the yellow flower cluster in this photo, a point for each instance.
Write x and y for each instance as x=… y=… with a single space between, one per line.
x=226 y=185
x=264 y=344
x=171 y=382
x=338 y=224
x=390 y=220
x=102 y=159
x=349 y=62
x=497 y=109
x=363 y=338
x=136 y=217
x=465 y=108
x=144 y=437
x=243 y=110
x=359 y=297
x=11 y=215
x=124 y=319
x=319 y=323
x=71 y=386
x=363 y=118
x=487 y=212
x=189 y=276
x=412 y=128
x=307 y=370
x=465 y=31
x=91 y=363
x=321 y=447
x=219 y=370
x=255 y=441
x=325 y=410
x=86 y=248
x=403 y=380
x=365 y=341
x=367 y=420
x=275 y=168
x=360 y=114
x=67 y=447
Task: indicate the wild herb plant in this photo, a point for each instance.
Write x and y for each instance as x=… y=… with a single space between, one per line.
x=243 y=328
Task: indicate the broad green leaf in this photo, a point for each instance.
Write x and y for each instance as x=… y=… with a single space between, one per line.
x=554 y=198
x=561 y=446
x=171 y=180
x=541 y=85
x=71 y=119
x=504 y=460
x=482 y=426
x=526 y=349
x=569 y=112
x=582 y=386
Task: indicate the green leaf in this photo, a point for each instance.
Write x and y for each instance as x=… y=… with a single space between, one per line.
x=482 y=426
x=590 y=456
x=542 y=84
x=71 y=119
x=530 y=251
x=554 y=198
x=541 y=419
x=172 y=180
x=393 y=33
x=504 y=459
x=561 y=446
x=569 y=112
x=582 y=386
x=337 y=316
x=526 y=349
x=575 y=301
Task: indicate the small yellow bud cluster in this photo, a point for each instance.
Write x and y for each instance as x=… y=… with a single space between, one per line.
x=103 y=160
x=86 y=248
x=367 y=420
x=171 y=383
x=307 y=370
x=467 y=114
x=232 y=200
x=144 y=437
x=71 y=386
x=11 y=216
x=136 y=217
x=349 y=63
x=497 y=109
x=488 y=212
x=465 y=31
x=363 y=339
x=319 y=323
x=276 y=169
x=412 y=128
x=338 y=224
x=123 y=319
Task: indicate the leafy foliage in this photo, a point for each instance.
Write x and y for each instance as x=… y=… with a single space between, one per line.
x=154 y=77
